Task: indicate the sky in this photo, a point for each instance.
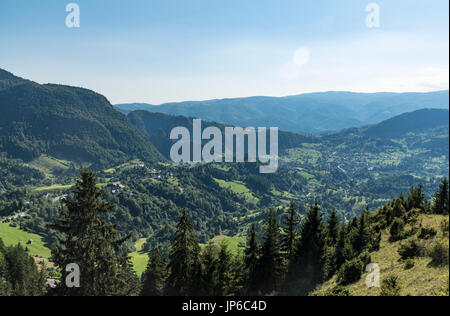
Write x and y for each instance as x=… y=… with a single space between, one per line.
x=158 y=51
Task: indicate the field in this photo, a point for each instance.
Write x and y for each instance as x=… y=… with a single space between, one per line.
x=239 y=189
x=234 y=244
x=13 y=235
x=139 y=258
x=53 y=187
x=56 y=187
x=48 y=165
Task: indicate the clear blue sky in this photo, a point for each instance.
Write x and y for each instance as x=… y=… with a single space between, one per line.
x=157 y=51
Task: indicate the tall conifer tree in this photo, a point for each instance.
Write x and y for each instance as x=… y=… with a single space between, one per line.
x=270 y=267
x=252 y=253
x=310 y=264
x=441 y=199
x=224 y=274
x=184 y=260
x=153 y=279
x=332 y=228
x=86 y=239
x=290 y=233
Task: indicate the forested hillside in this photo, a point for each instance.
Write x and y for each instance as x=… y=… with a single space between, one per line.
x=157 y=127
x=313 y=255
x=67 y=123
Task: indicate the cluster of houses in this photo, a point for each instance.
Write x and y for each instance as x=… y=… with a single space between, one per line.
x=115 y=187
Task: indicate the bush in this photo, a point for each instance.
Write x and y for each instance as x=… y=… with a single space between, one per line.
x=350 y=272
x=439 y=254
x=409 y=264
x=337 y=291
x=390 y=287
x=375 y=242
x=397 y=230
x=445 y=225
x=365 y=258
x=411 y=249
x=412 y=216
x=427 y=233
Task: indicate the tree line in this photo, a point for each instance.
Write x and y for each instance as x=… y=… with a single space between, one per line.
x=290 y=257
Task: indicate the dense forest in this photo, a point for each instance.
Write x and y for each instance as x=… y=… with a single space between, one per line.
x=66 y=122
x=291 y=257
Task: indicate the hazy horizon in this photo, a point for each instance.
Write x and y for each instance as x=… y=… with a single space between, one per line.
x=281 y=96
x=172 y=51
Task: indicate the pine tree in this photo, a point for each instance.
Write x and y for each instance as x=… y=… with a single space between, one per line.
x=361 y=239
x=209 y=269
x=153 y=279
x=184 y=260
x=398 y=209
x=5 y=285
x=441 y=199
x=310 y=264
x=270 y=265
x=290 y=234
x=224 y=285
x=86 y=239
x=344 y=250
x=332 y=228
x=416 y=199
x=252 y=253
x=238 y=271
x=22 y=273
x=129 y=283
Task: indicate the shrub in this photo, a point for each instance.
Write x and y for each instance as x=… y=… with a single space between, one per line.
x=397 y=230
x=390 y=287
x=427 y=233
x=445 y=225
x=409 y=264
x=411 y=249
x=338 y=291
x=439 y=254
x=375 y=242
x=365 y=258
x=350 y=272
x=413 y=216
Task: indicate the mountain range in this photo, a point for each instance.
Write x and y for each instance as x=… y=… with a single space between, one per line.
x=306 y=113
x=82 y=126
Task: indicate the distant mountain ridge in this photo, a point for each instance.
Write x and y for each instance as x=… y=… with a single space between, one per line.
x=157 y=127
x=416 y=121
x=306 y=113
x=67 y=123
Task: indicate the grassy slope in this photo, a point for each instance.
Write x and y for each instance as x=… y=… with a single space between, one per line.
x=233 y=243
x=49 y=165
x=139 y=258
x=238 y=188
x=421 y=280
x=56 y=187
x=12 y=236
